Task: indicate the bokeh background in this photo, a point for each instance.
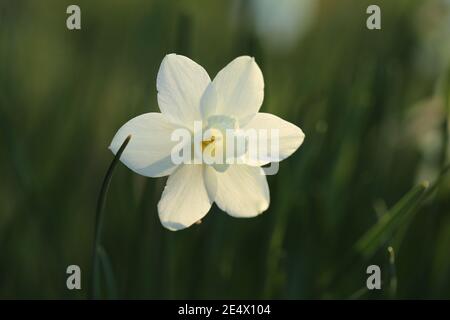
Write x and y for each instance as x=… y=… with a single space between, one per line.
x=373 y=104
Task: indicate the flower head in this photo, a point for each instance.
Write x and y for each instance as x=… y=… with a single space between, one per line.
x=216 y=167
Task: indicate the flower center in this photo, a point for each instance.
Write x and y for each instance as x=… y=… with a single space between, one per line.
x=212 y=149
x=206 y=143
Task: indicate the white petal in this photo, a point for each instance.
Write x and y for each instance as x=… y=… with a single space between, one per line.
x=148 y=152
x=290 y=137
x=181 y=83
x=236 y=91
x=185 y=199
x=241 y=191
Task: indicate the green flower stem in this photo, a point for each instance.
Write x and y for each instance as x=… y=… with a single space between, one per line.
x=97 y=249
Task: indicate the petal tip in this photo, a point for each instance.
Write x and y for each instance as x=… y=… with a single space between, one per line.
x=263 y=207
x=173 y=226
x=302 y=135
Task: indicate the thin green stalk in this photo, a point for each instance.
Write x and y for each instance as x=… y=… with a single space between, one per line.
x=371 y=240
x=95 y=281
x=367 y=245
x=392 y=273
x=359 y=293
x=105 y=263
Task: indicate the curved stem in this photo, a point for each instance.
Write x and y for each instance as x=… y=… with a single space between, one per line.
x=99 y=220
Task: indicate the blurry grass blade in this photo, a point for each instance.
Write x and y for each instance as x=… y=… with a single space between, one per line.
x=111 y=287
x=99 y=219
x=359 y=294
x=397 y=216
x=407 y=220
x=396 y=219
x=445 y=125
x=439 y=180
x=376 y=235
x=392 y=273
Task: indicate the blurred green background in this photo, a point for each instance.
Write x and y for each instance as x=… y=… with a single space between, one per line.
x=373 y=104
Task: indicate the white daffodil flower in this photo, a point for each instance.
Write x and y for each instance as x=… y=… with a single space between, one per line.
x=186 y=97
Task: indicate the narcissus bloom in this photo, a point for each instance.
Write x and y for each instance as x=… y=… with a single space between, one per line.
x=186 y=97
